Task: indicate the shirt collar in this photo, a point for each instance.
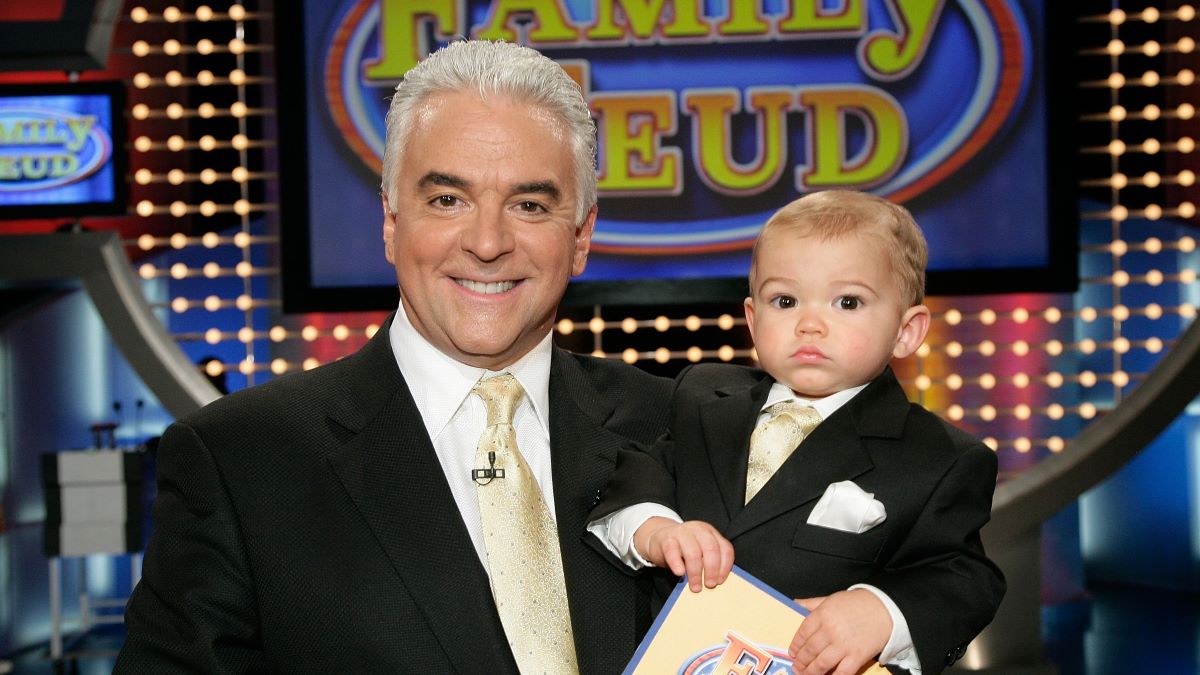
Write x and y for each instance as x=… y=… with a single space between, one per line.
x=439 y=384
x=824 y=406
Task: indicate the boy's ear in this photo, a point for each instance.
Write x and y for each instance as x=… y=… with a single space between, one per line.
x=748 y=306
x=913 y=327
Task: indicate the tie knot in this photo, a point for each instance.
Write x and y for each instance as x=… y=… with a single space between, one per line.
x=500 y=396
x=805 y=417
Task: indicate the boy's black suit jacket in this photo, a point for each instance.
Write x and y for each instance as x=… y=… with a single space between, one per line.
x=305 y=526
x=935 y=482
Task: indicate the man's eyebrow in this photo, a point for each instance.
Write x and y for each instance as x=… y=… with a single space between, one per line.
x=443 y=179
x=546 y=187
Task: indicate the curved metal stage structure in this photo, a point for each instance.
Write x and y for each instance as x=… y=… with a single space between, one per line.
x=98 y=260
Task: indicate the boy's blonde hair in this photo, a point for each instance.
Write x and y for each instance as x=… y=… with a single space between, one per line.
x=836 y=213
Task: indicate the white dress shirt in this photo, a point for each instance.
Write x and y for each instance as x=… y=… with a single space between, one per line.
x=454 y=418
x=616 y=531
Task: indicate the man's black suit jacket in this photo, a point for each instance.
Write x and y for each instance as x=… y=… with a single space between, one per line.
x=305 y=526
x=935 y=482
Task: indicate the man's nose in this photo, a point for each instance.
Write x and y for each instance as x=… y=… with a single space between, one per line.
x=488 y=235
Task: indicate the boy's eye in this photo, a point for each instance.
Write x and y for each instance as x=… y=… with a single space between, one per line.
x=849 y=302
x=783 y=301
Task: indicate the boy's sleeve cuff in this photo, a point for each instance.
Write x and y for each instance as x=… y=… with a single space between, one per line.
x=899 y=650
x=616 y=530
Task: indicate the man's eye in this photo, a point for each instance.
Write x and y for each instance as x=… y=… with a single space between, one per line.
x=531 y=207
x=849 y=302
x=445 y=201
x=783 y=301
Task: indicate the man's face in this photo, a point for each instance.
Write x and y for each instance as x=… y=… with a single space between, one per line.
x=827 y=315
x=483 y=237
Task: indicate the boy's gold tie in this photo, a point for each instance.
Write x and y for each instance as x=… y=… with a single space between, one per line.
x=774 y=440
x=521 y=542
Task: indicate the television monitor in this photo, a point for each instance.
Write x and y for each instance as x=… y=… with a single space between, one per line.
x=712 y=115
x=62 y=150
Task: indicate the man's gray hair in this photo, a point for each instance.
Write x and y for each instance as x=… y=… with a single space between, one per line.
x=499 y=69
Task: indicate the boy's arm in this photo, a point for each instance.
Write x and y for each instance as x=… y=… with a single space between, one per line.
x=649 y=532
x=939 y=581
x=639 y=488
x=644 y=474
x=939 y=577
x=616 y=530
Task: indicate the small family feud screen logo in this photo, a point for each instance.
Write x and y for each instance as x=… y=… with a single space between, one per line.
x=61 y=147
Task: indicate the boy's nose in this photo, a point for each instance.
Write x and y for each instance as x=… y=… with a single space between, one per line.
x=809 y=323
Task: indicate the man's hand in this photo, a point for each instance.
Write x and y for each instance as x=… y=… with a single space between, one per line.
x=693 y=549
x=843 y=633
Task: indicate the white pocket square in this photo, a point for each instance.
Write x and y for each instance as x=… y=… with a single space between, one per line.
x=846 y=507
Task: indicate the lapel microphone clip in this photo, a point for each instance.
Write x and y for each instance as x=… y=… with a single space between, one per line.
x=485 y=476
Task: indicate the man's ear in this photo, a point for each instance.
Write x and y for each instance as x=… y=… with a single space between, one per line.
x=583 y=241
x=389 y=231
x=913 y=327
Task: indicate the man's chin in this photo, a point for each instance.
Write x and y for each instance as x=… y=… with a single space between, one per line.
x=491 y=352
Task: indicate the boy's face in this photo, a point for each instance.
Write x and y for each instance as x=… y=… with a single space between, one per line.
x=828 y=315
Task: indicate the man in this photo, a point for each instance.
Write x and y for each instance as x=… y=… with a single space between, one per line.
x=333 y=521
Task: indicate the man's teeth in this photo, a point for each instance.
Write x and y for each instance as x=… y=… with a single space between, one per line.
x=486 y=288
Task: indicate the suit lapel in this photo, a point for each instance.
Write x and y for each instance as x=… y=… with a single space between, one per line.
x=391 y=472
x=583 y=455
x=728 y=444
x=583 y=452
x=835 y=451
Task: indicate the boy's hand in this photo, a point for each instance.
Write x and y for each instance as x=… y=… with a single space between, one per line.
x=693 y=549
x=843 y=633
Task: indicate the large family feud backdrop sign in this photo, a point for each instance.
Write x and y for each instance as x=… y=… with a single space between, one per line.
x=711 y=114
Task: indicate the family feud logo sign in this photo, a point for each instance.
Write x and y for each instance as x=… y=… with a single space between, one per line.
x=43 y=148
x=722 y=110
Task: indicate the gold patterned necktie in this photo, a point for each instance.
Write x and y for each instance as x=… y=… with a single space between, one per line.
x=521 y=541
x=773 y=441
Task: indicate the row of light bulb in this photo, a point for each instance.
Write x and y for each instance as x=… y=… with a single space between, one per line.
x=173 y=14
x=207 y=143
x=204 y=47
x=1024 y=444
x=1117 y=47
x=179 y=240
x=239 y=174
x=204 y=78
x=1149 y=112
x=176 y=111
x=206 y=208
x=277 y=334
x=1149 y=15
x=1023 y=412
x=209 y=271
x=1120 y=213
x=249 y=365
x=1185 y=77
x=1150 y=179
x=989 y=381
